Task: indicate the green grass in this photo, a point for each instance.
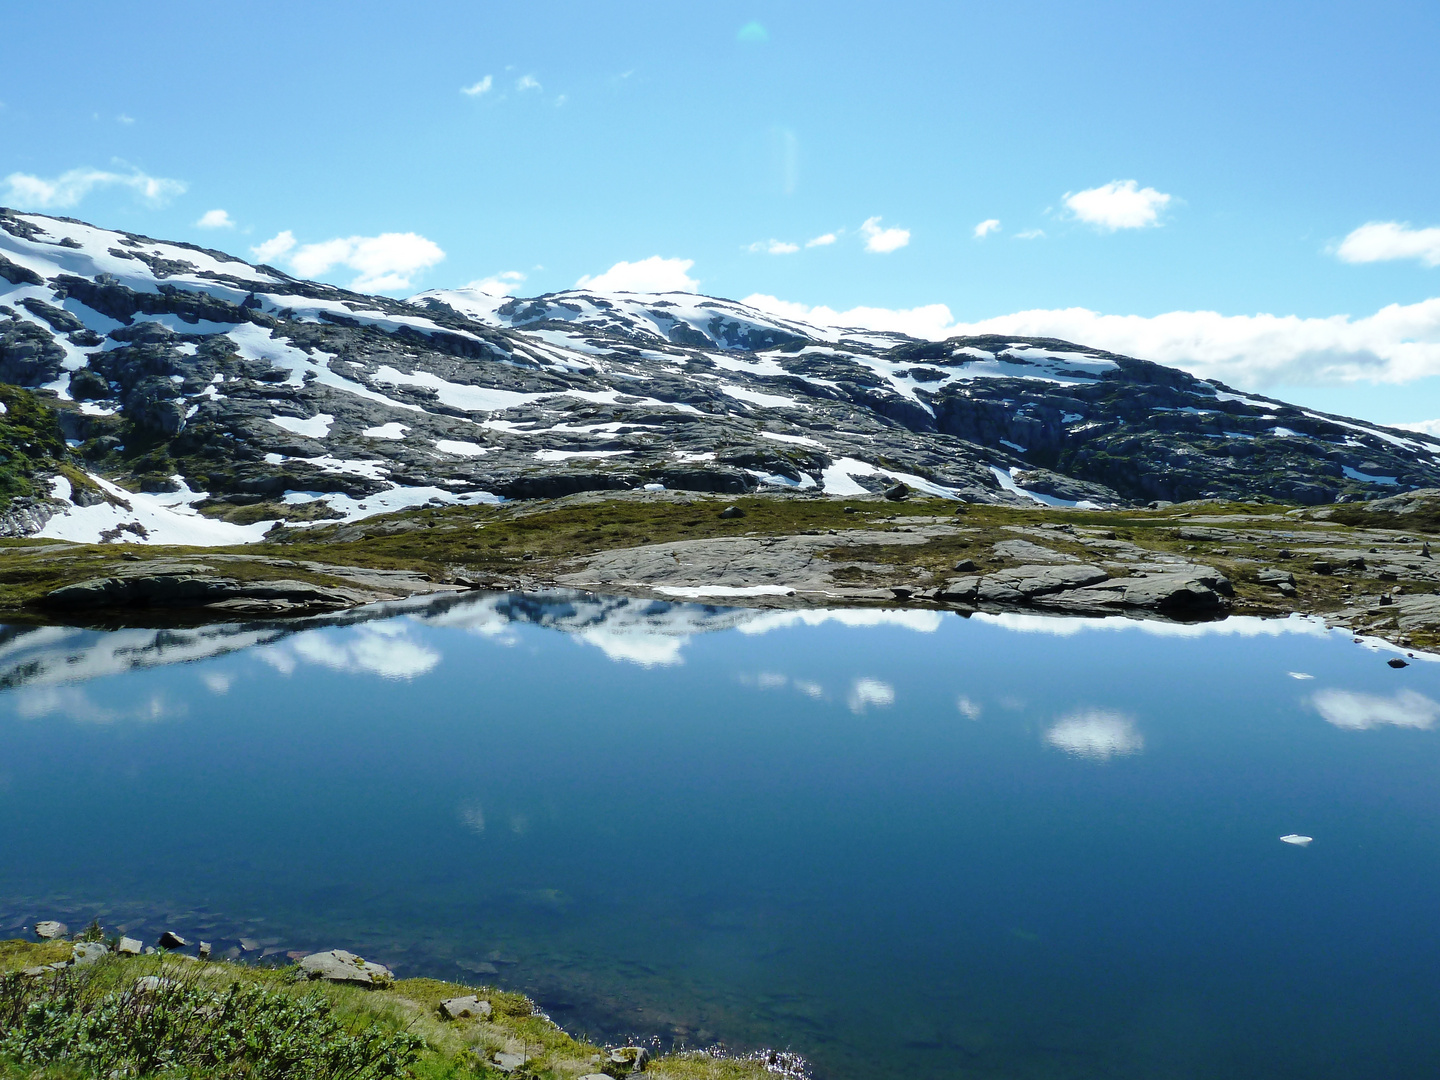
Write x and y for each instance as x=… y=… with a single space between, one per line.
x=223 y=1021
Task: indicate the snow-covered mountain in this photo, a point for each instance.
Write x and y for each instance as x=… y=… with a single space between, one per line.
x=205 y=398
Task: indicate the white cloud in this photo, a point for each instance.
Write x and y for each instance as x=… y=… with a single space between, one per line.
x=1096 y=734
x=527 y=82
x=654 y=274
x=73 y=703
x=1031 y=234
x=30 y=192
x=1424 y=427
x=1399 y=343
x=883 y=241
x=273 y=248
x=986 y=227
x=215 y=219
x=867 y=692
x=969 y=709
x=1383 y=241
x=1120 y=204
x=929 y=321
x=501 y=284
x=774 y=247
x=638 y=647
x=123 y=119
x=384 y=263
x=478 y=88
x=1357 y=712
x=823 y=240
x=381 y=649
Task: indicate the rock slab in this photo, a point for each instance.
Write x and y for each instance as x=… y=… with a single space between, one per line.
x=337 y=965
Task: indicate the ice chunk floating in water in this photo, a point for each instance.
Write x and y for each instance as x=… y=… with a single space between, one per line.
x=1296 y=839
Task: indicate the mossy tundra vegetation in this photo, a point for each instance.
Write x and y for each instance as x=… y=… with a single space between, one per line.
x=172 y=1016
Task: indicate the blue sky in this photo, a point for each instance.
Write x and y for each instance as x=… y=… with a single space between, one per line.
x=1258 y=139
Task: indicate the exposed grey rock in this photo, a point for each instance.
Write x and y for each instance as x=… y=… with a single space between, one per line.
x=507 y=1062
x=1194 y=591
x=89 y=952
x=633 y=1057
x=1022 y=584
x=130 y=946
x=459 y=1007
x=732 y=512
x=171 y=940
x=1396 y=662
x=1025 y=551
x=965 y=566
x=1274 y=577
x=204 y=950
x=198 y=589
x=337 y=965
x=49 y=929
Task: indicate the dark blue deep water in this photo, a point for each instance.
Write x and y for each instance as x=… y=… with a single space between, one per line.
x=901 y=844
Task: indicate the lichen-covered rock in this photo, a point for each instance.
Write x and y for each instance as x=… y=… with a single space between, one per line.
x=461 y=1007
x=337 y=965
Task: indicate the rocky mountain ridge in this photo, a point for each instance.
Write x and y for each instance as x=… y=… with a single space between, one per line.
x=205 y=398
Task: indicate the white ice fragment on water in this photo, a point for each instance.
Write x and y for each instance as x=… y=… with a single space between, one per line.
x=1296 y=839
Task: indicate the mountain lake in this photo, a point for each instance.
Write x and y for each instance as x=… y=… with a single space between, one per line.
x=898 y=843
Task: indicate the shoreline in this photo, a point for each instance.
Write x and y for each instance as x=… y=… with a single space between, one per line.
x=1360 y=568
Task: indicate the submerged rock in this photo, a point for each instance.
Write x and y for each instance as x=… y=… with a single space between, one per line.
x=49 y=929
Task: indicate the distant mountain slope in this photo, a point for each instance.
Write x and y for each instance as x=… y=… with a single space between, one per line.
x=223 y=396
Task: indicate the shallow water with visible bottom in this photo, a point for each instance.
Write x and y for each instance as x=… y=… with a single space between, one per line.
x=899 y=843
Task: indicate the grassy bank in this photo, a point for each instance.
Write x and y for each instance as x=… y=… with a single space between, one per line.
x=165 y=1016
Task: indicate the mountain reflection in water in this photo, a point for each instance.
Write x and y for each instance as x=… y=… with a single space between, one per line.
x=898 y=842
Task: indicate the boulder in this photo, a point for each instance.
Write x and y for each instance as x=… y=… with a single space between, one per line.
x=89 y=952
x=456 y=1008
x=961 y=590
x=130 y=946
x=633 y=1057
x=337 y=965
x=1191 y=592
x=204 y=950
x=49 y=929
x=1278 y=577
x=171 y=940
x=732 y=512
x=508 y=1062
x=965 y=566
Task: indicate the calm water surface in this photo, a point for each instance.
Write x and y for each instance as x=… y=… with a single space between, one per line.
x=902 y=844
